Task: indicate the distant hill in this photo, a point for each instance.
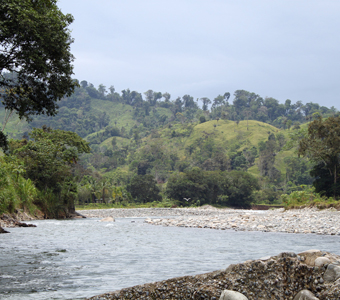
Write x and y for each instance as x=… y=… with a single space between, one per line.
x=158 y=136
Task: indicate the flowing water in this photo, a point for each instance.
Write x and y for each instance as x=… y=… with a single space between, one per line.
x=74 y=259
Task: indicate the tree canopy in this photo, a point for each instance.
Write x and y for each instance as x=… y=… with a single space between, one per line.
x=322 y=146
x=35 y=58
x=48 y=159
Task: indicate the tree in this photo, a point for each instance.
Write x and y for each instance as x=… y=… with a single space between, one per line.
x=149 y=96
x=143 y=188
x=83 y=83
x=248 y=113
x=35 y=58
x=267 y=158
x=166 y=97
x=218 y=101
x=48 y=159
x=239 y=188
x=322 y=147
x=210 y=187
x=102 y=90
x=112 y=89
x=206 y=101
x=189 y=102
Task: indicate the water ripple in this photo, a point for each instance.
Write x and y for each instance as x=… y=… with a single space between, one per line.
x=74 y=259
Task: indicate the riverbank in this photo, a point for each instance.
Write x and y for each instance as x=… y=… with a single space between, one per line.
x=15 y=220
x=285 y=276
x=307 y=220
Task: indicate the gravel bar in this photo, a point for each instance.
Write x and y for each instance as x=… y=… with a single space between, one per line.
x=307 y=220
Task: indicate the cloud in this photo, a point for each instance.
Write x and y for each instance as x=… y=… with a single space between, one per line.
x=284 y=49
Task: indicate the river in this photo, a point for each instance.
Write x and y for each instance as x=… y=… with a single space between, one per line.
x=74 y=259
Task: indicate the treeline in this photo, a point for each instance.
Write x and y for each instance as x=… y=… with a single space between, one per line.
x=245 y=105
x=191 y=187
x=156 y=153
x=77 y=115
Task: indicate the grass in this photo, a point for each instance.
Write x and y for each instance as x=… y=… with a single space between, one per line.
x=308 y=198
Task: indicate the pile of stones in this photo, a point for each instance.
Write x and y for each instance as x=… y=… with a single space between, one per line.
x=309 y=275
x=307 y=220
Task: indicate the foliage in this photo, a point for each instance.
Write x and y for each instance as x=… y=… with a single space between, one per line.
x=322 y=146
x=16 y=192
x=160 y=137
x=164 y=203
x=233 y=188
x=298 y=171
x=307 y=196
x=48 y=159
x=35 y=50
x=143 y=188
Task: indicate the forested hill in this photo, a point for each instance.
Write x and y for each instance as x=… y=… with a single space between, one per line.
x=139 y=134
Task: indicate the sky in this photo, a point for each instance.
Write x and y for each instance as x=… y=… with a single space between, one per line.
x=285 y=49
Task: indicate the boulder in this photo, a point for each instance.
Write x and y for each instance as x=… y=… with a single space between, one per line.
x=305 y=295
x=232 y=295
x=321 y=261
x=108 y=219
x=332 y=273
x=3 y=230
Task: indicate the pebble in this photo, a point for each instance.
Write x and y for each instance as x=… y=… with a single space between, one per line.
x=306 y=220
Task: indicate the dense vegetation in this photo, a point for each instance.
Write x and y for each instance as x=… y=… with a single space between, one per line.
x=149 y=149
x=35 y=58
x=129 y=147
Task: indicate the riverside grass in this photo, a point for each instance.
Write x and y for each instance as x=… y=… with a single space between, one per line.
x=308 y=198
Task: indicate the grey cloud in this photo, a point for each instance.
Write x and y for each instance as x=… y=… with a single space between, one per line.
x=284 y=49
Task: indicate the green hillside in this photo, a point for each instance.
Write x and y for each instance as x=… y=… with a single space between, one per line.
x=131 y=136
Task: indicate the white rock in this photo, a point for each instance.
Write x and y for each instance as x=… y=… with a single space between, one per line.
x=108 y=219
x=232 y=295
x=321 y=261
x=305 y=295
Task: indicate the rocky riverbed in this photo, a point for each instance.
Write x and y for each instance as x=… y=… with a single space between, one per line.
x=310 y=275
x=307 y=220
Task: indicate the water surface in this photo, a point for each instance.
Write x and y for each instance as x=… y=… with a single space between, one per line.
x=74 y=259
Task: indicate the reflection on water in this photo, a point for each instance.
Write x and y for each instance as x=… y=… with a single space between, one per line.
x=81 y=258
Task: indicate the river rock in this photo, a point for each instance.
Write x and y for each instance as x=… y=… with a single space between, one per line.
x=332 y=273
x=305 y=295
x=3 y=230
x=232 y=295
x=307 y=220
x=108 y=219
x=321 y=261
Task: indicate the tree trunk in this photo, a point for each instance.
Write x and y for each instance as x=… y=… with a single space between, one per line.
x=104 y=195
x=335 y=182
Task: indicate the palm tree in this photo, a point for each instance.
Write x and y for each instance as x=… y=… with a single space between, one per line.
x=117 y=193
x=104 y=185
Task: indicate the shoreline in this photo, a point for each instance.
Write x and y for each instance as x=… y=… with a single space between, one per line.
x=306 y=220
x=285 y=276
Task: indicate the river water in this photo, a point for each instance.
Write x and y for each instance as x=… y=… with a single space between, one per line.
x=74 y=259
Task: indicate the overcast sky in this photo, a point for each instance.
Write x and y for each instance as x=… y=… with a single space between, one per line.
x=286 y=49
